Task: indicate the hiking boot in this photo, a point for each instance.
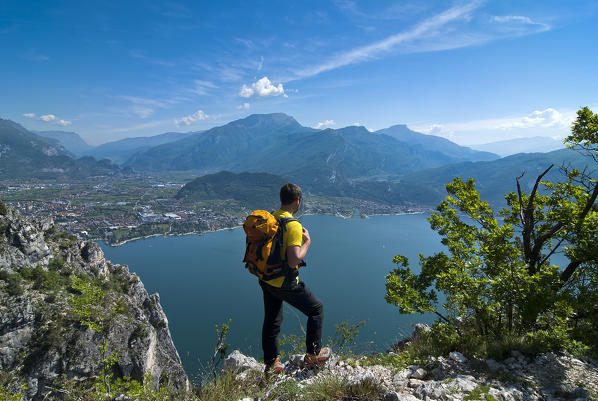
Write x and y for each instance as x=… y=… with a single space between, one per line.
x=323 y=356
x=275 y=367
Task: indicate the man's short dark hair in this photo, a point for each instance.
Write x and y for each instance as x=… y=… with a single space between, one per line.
x=289 y=193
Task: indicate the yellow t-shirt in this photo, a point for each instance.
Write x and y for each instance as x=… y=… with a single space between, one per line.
x=292 y=236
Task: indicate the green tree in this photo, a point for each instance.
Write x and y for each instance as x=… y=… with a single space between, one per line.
x=496 y=276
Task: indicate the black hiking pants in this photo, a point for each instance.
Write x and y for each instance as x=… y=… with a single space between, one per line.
x=300 y=297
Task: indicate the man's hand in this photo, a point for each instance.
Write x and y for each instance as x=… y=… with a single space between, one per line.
x=296 y=254
x=306 y=237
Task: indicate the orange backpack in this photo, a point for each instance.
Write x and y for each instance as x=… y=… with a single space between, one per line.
x=264 y=243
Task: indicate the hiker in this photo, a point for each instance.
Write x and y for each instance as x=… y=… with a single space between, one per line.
x=289 y=288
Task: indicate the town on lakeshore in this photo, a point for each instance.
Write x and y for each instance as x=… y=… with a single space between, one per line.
x=120 y=209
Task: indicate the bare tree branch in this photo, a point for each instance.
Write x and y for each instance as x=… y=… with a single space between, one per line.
x=551 y=252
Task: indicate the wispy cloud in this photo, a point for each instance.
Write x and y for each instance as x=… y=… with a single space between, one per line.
x=323 y=124
x=373 y=50
x=137 y=127
x=137 y=54
x=48 y=118
x=519 y=23
x=261 y=88
x=202 y=87
x=34 y=55
x=145 y=107
x=246 y=42
x=172 y=10
x=395 y=11
x=244 y=106
x=451 y=29
x=188 y=120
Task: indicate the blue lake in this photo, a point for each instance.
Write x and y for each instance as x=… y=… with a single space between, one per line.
x=202 y=282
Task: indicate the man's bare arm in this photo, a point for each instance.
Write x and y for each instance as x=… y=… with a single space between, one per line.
x=296 y=253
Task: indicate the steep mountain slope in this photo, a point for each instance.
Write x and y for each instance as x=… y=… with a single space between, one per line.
x=120 y=151
x=521 y=145
x=71 y=141
x=46 y=278
x=438 y=144
x=24 y=154
x=218 y=148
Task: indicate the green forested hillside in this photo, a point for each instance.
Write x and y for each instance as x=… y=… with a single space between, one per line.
x=253 y=190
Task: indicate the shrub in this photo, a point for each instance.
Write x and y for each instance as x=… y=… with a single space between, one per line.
x=14 y=283
x=3 y=208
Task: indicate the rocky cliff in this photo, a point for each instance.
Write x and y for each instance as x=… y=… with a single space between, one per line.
x=47 y=330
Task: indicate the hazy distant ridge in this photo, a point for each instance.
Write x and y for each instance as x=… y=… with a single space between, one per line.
x=121 y=150
x=521 y=145
x=71 y=141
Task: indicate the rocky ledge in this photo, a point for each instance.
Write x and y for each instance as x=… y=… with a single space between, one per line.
x=44 y=340
x=518 y=378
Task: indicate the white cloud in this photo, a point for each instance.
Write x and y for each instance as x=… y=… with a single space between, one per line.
x=49 y=118
x=188 y=120
x=261 y=63
x=244 y=106
x=548 y=122
x=541 y=119
x=323 y=124
x=261 y=88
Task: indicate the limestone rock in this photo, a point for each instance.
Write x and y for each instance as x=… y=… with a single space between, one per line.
x=419 y=374
x=237 y=362
x=457 y=357
x=394 y=396
x=39 y=333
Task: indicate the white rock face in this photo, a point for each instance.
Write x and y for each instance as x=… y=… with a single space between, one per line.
x=237 y=362
x=457 y=357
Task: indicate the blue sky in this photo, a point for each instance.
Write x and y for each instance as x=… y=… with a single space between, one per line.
x=471 y=71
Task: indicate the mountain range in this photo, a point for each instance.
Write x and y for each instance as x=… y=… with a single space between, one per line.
x=394 y=165
x=24 y=154
x=277 y=143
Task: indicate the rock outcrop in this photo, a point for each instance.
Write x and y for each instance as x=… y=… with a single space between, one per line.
x=42 y=336
x=548 y=377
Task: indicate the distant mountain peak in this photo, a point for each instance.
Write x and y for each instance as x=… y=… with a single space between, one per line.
x=269 y=120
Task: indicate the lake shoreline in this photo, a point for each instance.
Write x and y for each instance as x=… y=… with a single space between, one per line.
x=166 y=235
